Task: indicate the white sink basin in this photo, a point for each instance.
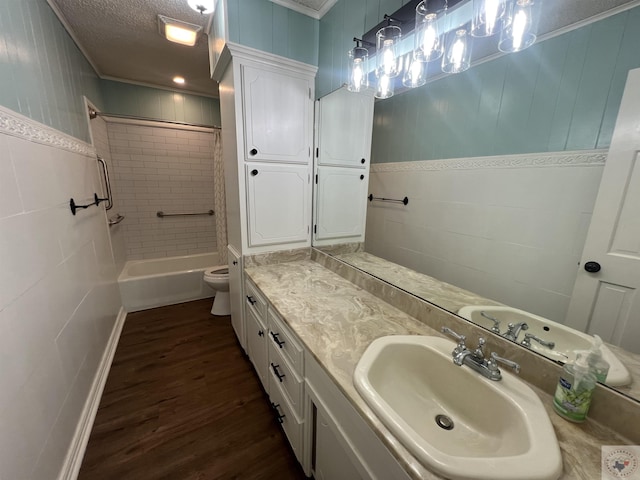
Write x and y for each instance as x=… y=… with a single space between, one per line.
x=567 y=340
x=500 y=429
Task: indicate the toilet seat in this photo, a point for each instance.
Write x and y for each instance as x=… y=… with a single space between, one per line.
x=221 y=271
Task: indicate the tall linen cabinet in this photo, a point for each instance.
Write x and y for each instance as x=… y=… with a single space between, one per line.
x=266 y=106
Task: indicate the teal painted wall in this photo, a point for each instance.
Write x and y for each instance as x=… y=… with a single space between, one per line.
x=263 y=25
x=128 y=99
x=43 y=75
x=561 y=94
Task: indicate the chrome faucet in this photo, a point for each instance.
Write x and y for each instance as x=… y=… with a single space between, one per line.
x=476 y=360
x=513 y=330
x=496 y=322
x=530 y=336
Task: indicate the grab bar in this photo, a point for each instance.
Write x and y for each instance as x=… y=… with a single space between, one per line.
x=115 y=221
x=107 y=182
x=161 y=214
x=404 y=201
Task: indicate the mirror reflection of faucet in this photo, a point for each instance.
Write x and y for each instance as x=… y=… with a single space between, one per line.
x=496 y=322
x=513 y=330
x=530 y=336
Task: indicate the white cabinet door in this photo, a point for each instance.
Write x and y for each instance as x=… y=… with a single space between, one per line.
x=277 y=116
x=345 y=121
x=278 y=203
x=332 y=462
x=341 y=202
x=235 y=294
x=257 y=347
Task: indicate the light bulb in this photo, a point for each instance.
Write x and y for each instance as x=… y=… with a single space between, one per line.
x=521 y=25
x=458 y=55
x=358 y=75
x=385 y=87
x=414 y=75
x=487 y=17
x=388 y=58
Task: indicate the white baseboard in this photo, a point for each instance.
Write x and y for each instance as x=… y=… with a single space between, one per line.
x=73 y=461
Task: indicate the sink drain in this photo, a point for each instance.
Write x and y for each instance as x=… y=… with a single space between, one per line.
x=444 y=422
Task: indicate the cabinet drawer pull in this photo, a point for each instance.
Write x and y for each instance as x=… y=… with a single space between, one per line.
x=260 y=333
x=362 y=161
x=235 y=262
x=276 y=372
x=253 y=151
x=361 y=177
x=279 y=342
x=279 y=417
x=254 y=172
x=251 y=300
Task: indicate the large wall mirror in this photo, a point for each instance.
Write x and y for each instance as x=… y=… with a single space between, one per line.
x=516 y=177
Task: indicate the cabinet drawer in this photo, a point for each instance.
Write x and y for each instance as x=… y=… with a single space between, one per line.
x=285 y=378
x=254 y=301
x=283 y=340
x=292 y=426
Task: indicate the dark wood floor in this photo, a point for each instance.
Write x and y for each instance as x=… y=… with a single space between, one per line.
x=183 y=402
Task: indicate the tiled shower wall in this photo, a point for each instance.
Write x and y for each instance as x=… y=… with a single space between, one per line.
x=157 y=167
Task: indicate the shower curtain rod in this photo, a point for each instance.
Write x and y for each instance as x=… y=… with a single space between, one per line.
x=93 y=114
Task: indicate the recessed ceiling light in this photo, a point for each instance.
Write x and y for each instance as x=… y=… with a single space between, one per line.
x=203 y=6
x=177 y=31
x=179 y=80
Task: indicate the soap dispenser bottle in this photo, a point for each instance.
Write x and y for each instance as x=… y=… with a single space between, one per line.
x=575 y=389
x=599 y=366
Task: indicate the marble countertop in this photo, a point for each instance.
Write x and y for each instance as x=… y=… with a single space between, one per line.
x=336 y=321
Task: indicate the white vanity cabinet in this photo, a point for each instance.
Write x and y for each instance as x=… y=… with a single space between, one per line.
x=344 y=121
x=327 y=434
x=278 y=203
x=235 y=294
x=277 y=115
x=256 y=327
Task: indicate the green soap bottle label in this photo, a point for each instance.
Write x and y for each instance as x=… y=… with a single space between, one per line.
x=571 y=403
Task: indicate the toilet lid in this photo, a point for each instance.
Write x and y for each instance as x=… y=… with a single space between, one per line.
x=221 y=270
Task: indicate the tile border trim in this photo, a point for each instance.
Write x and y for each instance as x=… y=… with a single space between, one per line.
x=17 y=125
x=577 y=158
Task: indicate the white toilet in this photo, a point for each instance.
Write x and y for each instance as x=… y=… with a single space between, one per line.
x=218 y=279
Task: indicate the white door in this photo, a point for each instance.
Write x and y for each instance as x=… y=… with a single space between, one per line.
x=605 y=301
x=345 y=121
x=235 y=294
x=278 y=203
x=277 y=116
x=341 y=202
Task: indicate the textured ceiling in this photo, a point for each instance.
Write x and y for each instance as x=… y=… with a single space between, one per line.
x=121 y=40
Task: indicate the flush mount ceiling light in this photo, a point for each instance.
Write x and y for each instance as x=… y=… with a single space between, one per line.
x=179 y=80
x=177 y=31
x=205 y=7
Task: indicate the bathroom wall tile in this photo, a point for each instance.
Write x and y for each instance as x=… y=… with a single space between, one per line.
x=10 y=200
x=486 y=228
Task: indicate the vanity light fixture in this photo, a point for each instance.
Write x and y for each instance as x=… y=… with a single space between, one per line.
x=444 y=29
x=205 y=7
x=359 y=66
x=521 y=25
x=387 y=39
x=487 y=17
x=178 y=31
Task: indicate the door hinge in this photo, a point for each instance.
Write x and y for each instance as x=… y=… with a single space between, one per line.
x=317 y=152
x=310 y=93
x=315 y=229
x=316 y=178
x=309 y=151
x=307 y=228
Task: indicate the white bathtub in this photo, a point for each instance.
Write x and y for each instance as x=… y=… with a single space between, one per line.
x=164 y=281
